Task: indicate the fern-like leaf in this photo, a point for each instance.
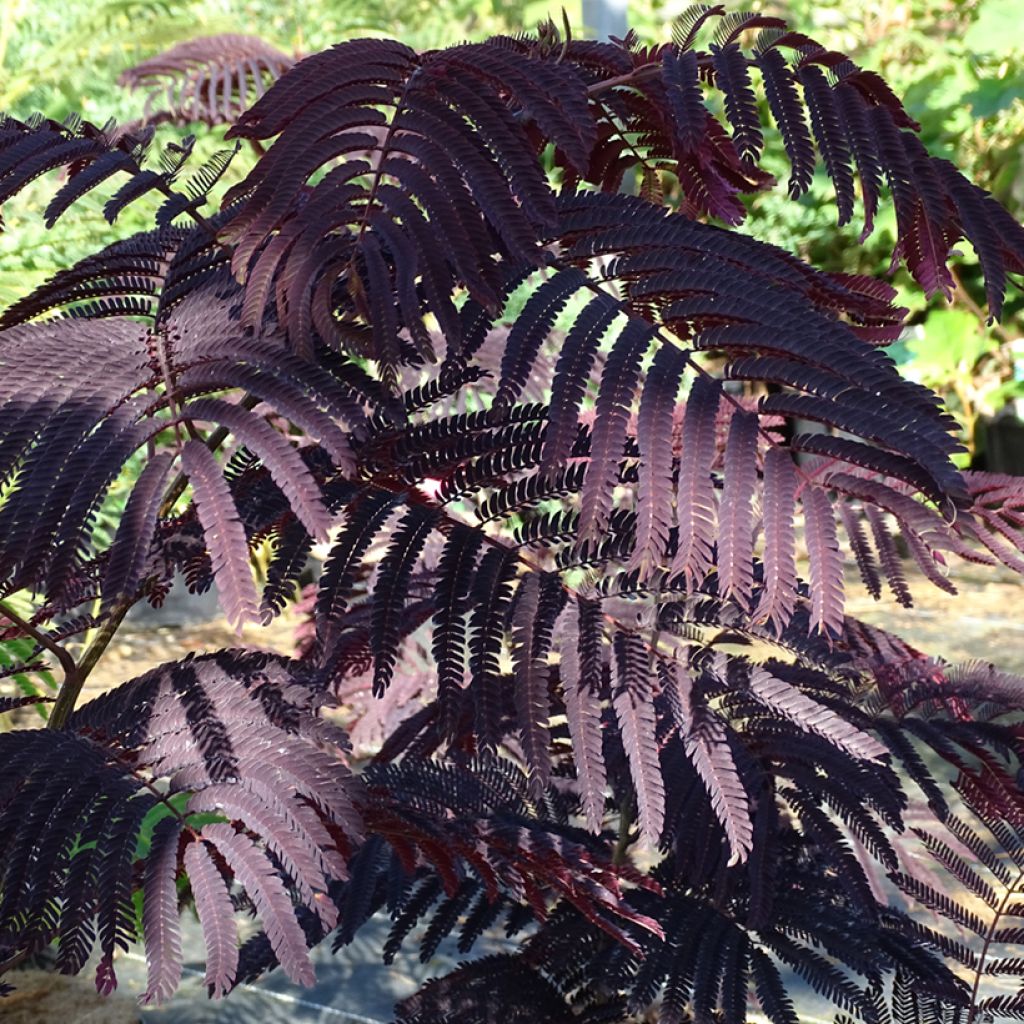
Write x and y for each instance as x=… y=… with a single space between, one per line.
x=581 y=684
x=229 y=549
x=695 y=497
x=825 y=559
x=634 y=711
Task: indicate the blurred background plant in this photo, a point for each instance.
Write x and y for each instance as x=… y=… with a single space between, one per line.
x=959 y=64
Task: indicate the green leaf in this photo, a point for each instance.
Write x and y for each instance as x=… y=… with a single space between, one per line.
x=948 y=345
x=997 y=29
x=994 y=95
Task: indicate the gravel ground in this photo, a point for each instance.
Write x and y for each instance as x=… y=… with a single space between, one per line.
x=984 y=621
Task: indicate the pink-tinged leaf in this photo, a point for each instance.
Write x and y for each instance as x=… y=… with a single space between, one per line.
x=134 y=535
x=581 y=694
x=695 y=497
x=280 y=457
x=257 y=875
x=826 y=562
x=928 y=561
x=216 y=917
x=106 y=978
x=905 y=510
x=788 y=701
x=654 y=437
x=633 y=703
x=707 y=746
x=778 y=598
x=611 y=417
x=160 y=927
x=295 y=850
x=929 y=241
x=736 y=515
x=1006 y=553
x=531 y=683
x=224 y=533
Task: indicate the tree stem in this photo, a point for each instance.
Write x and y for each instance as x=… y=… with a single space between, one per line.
x=627 y=815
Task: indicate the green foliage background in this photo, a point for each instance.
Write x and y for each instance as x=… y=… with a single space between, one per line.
x=958 y=63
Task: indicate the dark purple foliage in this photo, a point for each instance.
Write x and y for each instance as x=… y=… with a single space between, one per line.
x=547 y=435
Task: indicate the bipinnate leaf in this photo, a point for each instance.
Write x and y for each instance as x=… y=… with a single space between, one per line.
x=736 y=514
x=365 y=517
x=531 y=674
x=225 y=536
x=614 y=404
x=632 y=701
x=788 y=112
x=576 y=356
x=391 y=592
x=490 y=598
x=789 y=702
x=455 y=580
x=160 y=928
x=530 y=330
x=134 y=535
x=733 y=78
x=654 y=438
x=607 y=648
x=581 y=693
x=216 y=916
x=262 y=882
x=695 y=496
x=286 y=467
x=685 y=99
x=825 y=561
x=707 y=746
x=778 y=599
x=211 y=78
x=771 y=992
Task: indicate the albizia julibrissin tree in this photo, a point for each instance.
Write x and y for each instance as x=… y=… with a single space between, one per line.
x=586 y=566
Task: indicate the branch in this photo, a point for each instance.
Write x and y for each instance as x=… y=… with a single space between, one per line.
x=67 y=663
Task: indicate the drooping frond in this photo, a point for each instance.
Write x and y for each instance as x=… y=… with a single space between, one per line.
x=855 y=121
x=135 y=383
x=210 y=79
